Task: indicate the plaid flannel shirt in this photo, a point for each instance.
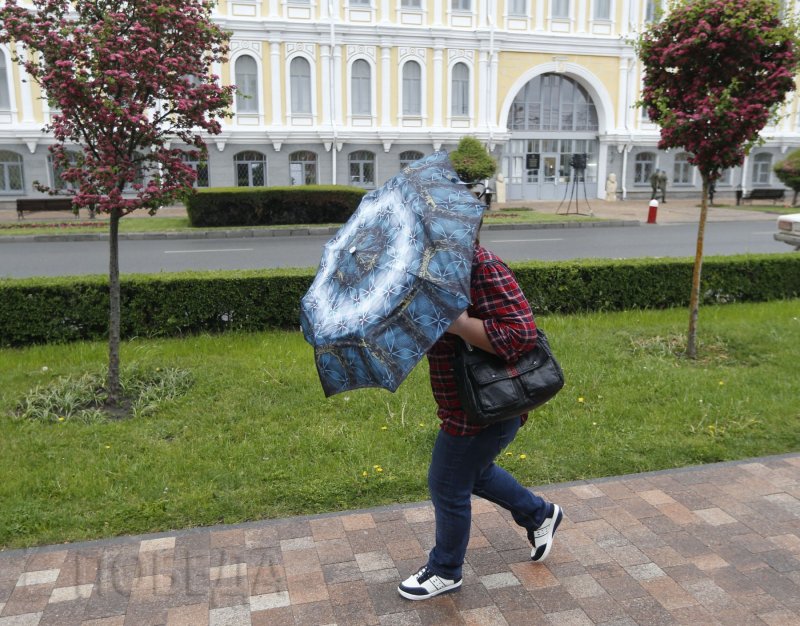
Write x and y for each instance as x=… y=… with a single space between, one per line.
x=507 y=317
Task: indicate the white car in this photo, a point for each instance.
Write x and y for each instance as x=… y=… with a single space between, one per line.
x=789 y=230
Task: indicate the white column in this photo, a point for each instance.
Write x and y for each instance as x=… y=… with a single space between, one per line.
x=624 y=94
x=581 y=17
x=482 y=85
x=385 y=11
x=386 y=84
x=602 y=158
x=273 y=8
x=538 y=23
x=325 y=68
x=275 y=70
x=493 y=69
x=437 y=12
x=24 y=85
x=337 y=84
x=438 y=79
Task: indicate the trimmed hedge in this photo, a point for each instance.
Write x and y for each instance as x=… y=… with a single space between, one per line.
x=265 y=206
x=41 y=310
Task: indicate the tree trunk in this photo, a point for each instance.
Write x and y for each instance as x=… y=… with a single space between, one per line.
x=112 y=384
x=694 y=300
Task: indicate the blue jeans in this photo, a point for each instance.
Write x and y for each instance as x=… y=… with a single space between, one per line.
x=462 y=466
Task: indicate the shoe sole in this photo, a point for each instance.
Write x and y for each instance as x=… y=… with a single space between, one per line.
x=536 y=557
x=433 y=594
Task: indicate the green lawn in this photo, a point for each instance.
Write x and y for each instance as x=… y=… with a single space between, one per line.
x=144 y=223
x=255 y=437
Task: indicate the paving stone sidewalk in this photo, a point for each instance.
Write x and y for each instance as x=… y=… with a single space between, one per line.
x=714 y=544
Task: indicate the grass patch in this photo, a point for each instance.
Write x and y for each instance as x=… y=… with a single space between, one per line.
x=762 y=208
x=84 y=398
x=145 y=223
x=254 y=437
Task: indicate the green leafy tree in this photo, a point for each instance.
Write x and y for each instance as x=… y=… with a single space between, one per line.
x=126 y=79
x=471 y=161
x=715 y=72
x=788 y=172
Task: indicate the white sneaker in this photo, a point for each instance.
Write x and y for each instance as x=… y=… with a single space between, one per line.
x=425 y=584
x=542 y=537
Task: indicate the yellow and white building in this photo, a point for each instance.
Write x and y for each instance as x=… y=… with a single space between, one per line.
x=347 y=91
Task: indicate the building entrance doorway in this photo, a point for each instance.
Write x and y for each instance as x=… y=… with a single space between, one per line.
x=551 y=119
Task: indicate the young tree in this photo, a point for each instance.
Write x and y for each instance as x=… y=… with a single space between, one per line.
x=126 y=79
x=788 y=172
x=715 y=71
x=471 y=161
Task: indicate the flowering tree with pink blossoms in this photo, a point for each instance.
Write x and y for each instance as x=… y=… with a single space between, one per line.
x=126 y=81
x=715 y=72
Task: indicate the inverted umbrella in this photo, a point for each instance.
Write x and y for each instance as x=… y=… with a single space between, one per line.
x=393 y=278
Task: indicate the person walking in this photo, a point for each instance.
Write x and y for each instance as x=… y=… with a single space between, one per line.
x=499 y=321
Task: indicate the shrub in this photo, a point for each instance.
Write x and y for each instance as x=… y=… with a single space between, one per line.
x=41 y=310
x=471 y=161
x=264 y=206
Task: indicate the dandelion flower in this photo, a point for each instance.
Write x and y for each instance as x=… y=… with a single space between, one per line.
x=45 y=368
x=108 y=447
x=422 y=425
x=509 y=454
x=580 y=399
x=523 y=456
x=379 y=470
x=60 y=419
x=364 y=473
x=722 y=382
x=384 y=428
x=375 y=467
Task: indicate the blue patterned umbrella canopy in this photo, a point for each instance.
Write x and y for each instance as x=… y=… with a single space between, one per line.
x=393 y=278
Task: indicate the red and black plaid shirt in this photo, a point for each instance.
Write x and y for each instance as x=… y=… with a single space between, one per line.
x=507 y=317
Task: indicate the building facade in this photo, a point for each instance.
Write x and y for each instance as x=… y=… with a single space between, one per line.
x=347 y=91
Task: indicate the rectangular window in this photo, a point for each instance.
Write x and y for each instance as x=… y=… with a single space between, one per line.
x=518 y=8
x=602 y=10
x=5 y=101
x=411 y=4
x=560 y=9
x=360 y=3
x=462 y=5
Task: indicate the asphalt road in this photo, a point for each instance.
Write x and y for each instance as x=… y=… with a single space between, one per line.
x=21 y=259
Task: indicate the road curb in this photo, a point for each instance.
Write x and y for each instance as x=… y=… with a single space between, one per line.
x=285 y=232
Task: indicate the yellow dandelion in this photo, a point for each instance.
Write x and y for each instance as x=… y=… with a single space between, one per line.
x=509 y=454
x=365 y=473
x=60 y=419
x=523 y=456
x=108 y=447
x=379 y=469
x=384 y=428
x=580 y=399
x=375 y=467
x=422 y=424
x=722 y=382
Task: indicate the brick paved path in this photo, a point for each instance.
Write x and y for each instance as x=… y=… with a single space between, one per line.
x=716 y=544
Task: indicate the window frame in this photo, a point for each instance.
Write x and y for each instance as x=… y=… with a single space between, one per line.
x=362 y=159
x=246 y=103
x=358 y=108
x=406 y=83
x=249 y=162
x=465 y=86
x=294 y=159
x=644 y=164
x=301 y=103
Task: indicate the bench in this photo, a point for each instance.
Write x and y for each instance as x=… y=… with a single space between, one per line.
x=764 y=194
x=42 y=204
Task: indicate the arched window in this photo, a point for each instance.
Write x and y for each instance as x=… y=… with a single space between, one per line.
x=300 y=85
x=460 y=91
x=5 y=93
x=362 y=168
x=10 y=172
x=408 y=157
x=361 y=87
x=303 y=168
x=199 y=166
x=553 y=102
x=643 y=167
x=682 y=169
x=251 y=169
x=246 y=70
x=412 y=89
x=762 y=168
